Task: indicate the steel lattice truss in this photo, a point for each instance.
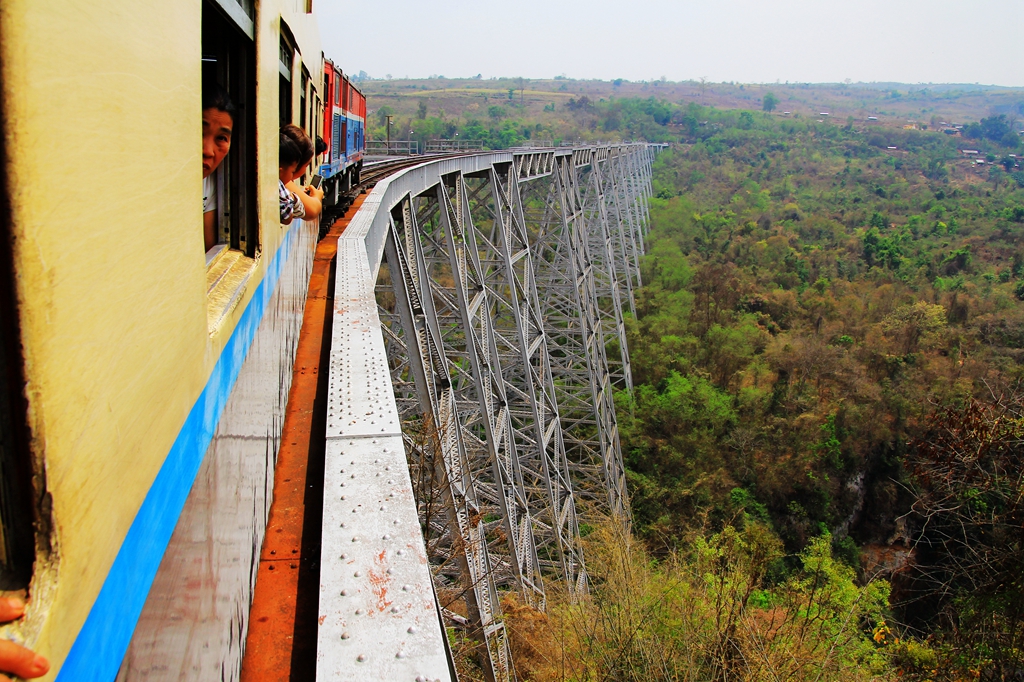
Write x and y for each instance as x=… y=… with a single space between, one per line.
x=502 y=294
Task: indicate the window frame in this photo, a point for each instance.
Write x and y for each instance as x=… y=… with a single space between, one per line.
x=229 y=58
x=288 y=52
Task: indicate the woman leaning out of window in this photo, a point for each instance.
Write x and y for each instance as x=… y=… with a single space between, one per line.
x=295 y=154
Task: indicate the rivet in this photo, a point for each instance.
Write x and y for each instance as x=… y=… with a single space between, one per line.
x=357 y=574
x=401 y=552
x=382 y=508
x=390 y=571
x=344 y=556
x=343 y=497
x=411 y=630
x=344 y=635
x=387 y=537
x=343 y=525
x=355 y=538
x=344 y=593
x=394 y=609
x=405 y=588
x=361 y=658
x=359 y=612
x=400 y=654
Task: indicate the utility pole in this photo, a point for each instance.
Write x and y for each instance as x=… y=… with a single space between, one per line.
x=389 y=134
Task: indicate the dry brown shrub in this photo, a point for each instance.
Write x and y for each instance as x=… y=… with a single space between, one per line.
x=535 y=648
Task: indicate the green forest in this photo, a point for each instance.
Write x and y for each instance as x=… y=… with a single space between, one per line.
x=824 y=443
x=828 y=345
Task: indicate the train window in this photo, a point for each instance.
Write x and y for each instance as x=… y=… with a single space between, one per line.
x=285 y=61
x=17 y=538
x=315 y=120
x=302 y=99
x=229 y=66
x=241 y=12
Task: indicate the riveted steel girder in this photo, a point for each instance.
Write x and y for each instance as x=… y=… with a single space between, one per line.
x=502 y=285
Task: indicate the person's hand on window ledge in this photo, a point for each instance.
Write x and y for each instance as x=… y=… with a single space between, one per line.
x=14 y=658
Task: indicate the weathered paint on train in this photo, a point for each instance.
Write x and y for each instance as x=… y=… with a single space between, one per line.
x=129 y=362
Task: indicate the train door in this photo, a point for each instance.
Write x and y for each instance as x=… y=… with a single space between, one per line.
x=345 y=103
x=328 y=109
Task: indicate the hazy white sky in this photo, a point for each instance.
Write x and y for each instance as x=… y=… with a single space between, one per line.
x=909 y=41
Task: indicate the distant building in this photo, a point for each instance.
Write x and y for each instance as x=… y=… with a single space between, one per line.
x=970 y=152
x=890 y=147
x=872 y=118
x=824 y=113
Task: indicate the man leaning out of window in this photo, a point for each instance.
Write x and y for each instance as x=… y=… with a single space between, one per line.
x=218 y=121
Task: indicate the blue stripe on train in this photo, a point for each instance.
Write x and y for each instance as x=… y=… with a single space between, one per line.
x=103 y=640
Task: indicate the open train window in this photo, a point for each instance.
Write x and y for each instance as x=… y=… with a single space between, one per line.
x=303 y=98
x=229 y=63
x=17 y=537
x=285 y=62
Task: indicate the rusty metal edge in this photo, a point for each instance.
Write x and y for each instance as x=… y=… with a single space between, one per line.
x=282 y=634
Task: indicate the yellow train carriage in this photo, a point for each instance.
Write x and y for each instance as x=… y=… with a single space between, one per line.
x=146 y=376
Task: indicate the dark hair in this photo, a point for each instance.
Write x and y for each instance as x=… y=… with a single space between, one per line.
x=296 y=149
x=321 y=146
x=216 y=97
x=288 y=154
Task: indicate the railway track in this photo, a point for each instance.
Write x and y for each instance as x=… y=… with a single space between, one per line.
x=368 y=178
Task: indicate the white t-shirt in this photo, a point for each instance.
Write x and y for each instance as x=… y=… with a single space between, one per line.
x=209 y=194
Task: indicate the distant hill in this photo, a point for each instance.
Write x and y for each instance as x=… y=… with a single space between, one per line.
x=894 y=104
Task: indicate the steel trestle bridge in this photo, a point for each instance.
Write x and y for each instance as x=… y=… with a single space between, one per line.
x=478 y=337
